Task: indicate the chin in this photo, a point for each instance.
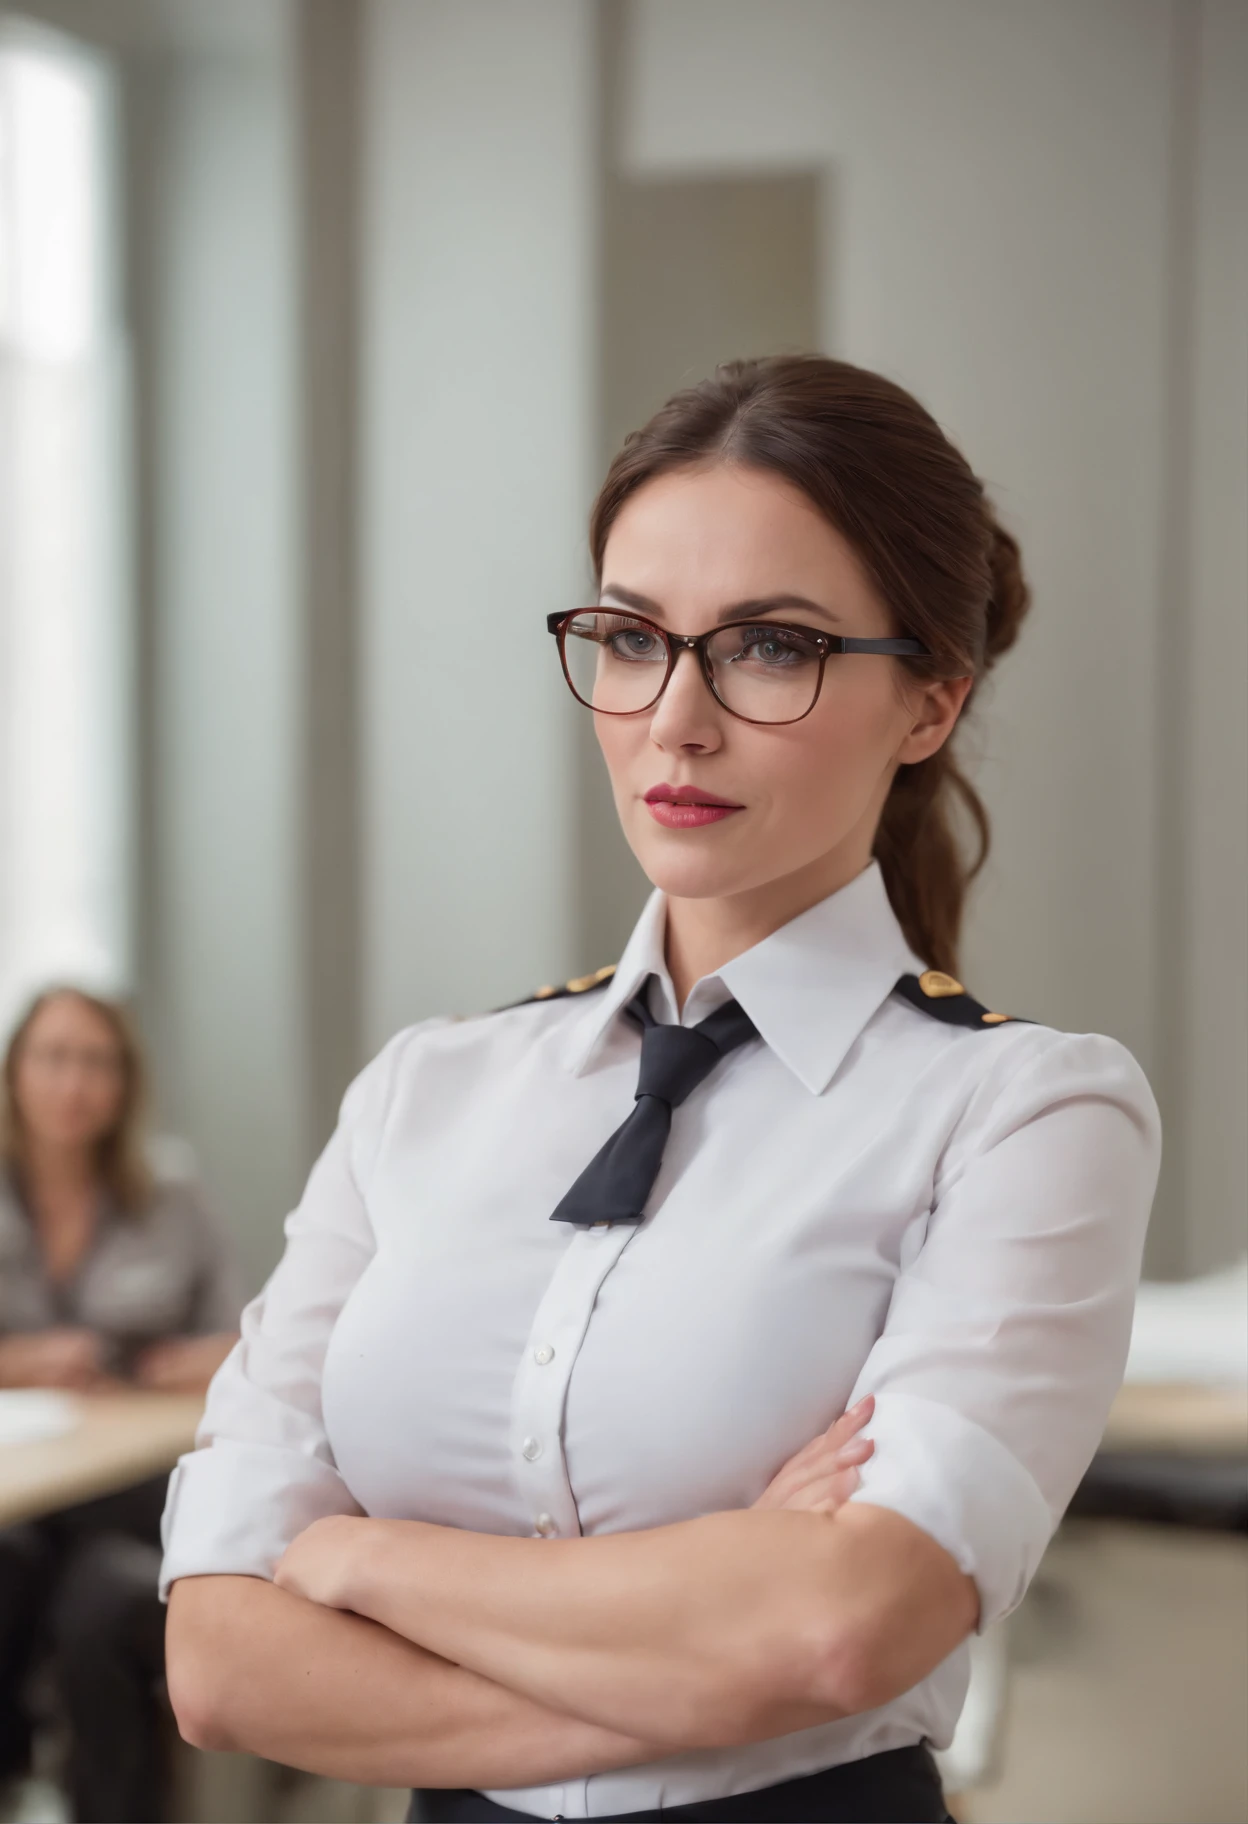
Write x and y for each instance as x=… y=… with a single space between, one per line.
x=690 y=883
x=687 y=868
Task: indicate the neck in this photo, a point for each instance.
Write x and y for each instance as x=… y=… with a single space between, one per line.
x=704 y=934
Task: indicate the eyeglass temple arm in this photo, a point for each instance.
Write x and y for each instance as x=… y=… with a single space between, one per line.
x=915 y=648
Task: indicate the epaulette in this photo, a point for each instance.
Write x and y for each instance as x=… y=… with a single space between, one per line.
x=945 y=999
x=580 y=984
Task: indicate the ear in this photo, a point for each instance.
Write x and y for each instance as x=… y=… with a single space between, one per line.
x=936 y=708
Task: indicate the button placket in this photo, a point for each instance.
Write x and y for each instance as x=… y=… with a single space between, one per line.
x=544 y=1373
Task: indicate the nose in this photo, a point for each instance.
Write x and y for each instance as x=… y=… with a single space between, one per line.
x=687 y=717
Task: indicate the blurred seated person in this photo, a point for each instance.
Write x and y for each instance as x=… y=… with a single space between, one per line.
x=111 y=1273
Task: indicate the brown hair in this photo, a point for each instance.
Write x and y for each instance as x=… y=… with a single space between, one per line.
x=882 y=471
x=120 y=1157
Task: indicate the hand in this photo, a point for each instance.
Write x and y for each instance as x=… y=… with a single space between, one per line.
x=62 y=1357
x=182 y=1364
x=319 y=1563
x=824 y=1473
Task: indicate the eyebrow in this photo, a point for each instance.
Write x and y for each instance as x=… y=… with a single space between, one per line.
x=736 y=611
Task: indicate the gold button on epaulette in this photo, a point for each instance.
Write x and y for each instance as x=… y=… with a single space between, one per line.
x=937 y=984
x=942 y=997
x=580 y=983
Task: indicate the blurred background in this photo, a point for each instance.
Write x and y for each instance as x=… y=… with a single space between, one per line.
x=319 y=320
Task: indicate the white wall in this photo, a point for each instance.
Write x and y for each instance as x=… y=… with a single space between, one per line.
x=224 y=928
x=999 y=235
x=478 y=274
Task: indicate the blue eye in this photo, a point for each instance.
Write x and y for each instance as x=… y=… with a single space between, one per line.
x=770 y=648
x=634 y=644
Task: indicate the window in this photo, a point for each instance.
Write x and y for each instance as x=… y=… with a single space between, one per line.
x=64 y=641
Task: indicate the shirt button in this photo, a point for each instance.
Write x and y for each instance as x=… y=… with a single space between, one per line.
x=531 y=1449
x=543 y=1354
x=545 y=1526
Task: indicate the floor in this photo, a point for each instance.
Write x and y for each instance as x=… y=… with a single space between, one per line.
x=1128 y=1691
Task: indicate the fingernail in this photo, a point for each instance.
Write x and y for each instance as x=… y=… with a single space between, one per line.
x=862 y=1405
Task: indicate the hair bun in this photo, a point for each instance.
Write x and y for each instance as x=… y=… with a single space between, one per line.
x=1010 y=595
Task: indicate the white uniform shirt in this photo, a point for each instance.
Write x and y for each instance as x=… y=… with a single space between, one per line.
x=862 y=1199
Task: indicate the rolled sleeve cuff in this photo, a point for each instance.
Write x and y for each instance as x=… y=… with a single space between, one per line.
x=959 y=1483
x=233 y=1508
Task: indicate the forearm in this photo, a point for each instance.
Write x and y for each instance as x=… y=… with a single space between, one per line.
x=183 y=1364
x=708 y=1632
x=63 y=1356
x=14 y=1361
x=255 y=1668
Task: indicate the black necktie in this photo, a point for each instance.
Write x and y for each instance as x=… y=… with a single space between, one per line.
x=674 y=1059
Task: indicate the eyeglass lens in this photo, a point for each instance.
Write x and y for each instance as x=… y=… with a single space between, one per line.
x=764 y=672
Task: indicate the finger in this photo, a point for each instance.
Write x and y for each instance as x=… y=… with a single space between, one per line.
x=840 y=1436
x=826 y=1493
x=853 y=1420
x=817 y=1457
x=833 y=1456
x=814 y=1452
x=839 y=1431
x=792 y=1472
x=834 y=1493
x=854 y=1453
x=791 y=1485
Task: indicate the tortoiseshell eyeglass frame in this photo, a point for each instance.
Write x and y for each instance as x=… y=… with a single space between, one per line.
x=827 y=645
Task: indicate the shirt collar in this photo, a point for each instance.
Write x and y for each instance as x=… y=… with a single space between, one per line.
x=810 y=987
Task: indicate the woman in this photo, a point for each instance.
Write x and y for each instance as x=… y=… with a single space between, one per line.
x=490 y=1500
x=107 y=1275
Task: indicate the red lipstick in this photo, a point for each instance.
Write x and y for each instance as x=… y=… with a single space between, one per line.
x=687 y=807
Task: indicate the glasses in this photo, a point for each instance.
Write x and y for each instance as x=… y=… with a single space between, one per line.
x=761 y=671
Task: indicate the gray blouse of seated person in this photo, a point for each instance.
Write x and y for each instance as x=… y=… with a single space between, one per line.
x=106 y=1241
x=167 y=1270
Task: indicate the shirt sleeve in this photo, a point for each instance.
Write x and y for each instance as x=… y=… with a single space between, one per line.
x=262 y=1469
x=1007 y=1334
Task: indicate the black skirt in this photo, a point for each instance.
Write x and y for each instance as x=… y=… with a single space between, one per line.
x=900 y=1786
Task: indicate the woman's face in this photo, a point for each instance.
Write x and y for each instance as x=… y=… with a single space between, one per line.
x=70 y=1075
x=685 y=549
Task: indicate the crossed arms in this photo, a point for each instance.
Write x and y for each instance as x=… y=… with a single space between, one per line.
x=396 y=1653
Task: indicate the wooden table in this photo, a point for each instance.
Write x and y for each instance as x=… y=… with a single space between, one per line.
x=123 y=1438
x=1172 y=1416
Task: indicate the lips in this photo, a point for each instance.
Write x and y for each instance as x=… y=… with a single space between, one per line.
x=689 y=794
x=688 y=807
